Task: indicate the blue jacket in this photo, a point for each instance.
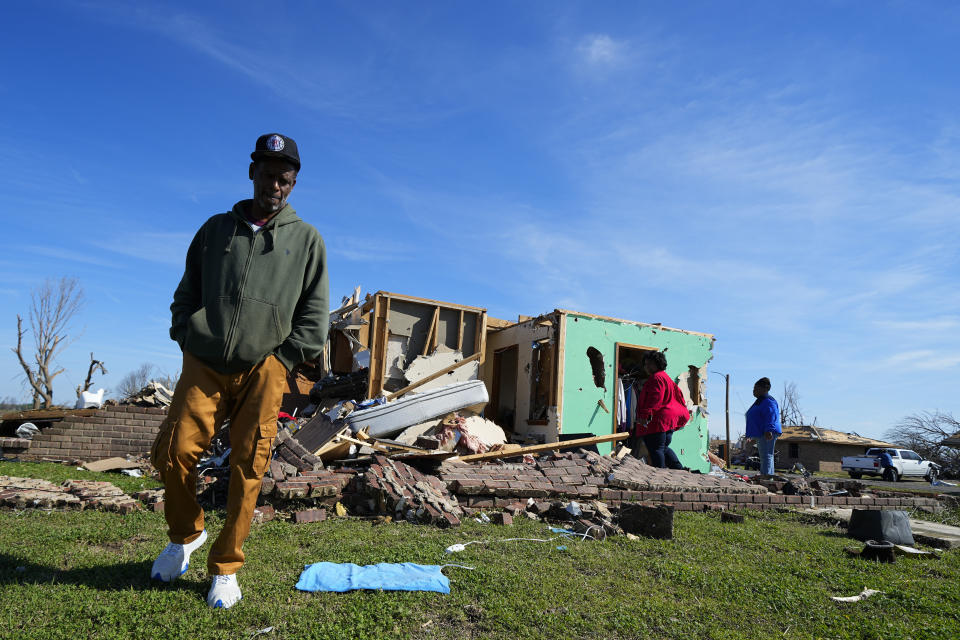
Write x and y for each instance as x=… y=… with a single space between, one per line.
x=886 y=460
x=762 y=416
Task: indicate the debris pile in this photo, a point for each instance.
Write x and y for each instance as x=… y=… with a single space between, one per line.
x=153 y=394
x=27 y=493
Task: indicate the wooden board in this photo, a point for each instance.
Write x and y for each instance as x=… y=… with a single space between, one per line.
x=539 y=448
x=46 y=415
x=317 y=432
x=110 y=464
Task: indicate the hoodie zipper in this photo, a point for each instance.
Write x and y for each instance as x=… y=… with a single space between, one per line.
x=231 y=332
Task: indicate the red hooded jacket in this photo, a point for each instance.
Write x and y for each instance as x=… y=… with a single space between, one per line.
x=662 y=401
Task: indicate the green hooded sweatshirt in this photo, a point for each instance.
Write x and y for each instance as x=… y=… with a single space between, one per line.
x=245 y=295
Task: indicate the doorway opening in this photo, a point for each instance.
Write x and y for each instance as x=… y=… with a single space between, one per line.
x=630 y=379
x=503 y=395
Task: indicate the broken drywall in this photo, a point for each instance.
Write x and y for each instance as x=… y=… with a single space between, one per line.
x=443 y=357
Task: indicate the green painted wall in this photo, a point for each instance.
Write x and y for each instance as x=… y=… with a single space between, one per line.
x=581 y=412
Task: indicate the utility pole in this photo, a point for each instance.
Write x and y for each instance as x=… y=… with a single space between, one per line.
x=726 y=376
x=727 y=450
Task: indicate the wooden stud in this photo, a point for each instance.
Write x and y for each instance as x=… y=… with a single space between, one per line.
x=429 y=344
x=539 y=448
x=460 y=333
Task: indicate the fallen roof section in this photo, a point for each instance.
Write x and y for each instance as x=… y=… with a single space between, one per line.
x=828 y=436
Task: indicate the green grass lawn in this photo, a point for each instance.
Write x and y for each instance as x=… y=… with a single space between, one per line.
x=85 y=575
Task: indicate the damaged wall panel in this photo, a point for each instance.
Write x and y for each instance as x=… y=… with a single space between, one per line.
x=510 y=358
x=405 y=328
x=583 y=400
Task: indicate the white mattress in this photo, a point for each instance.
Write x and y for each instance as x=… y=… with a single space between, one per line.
x=387 y=419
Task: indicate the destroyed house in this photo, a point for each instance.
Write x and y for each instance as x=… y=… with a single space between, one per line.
x=561 y=376
x=820 y=449
x=556 y=377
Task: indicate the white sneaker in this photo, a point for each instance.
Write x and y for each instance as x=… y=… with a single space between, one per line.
x=174 y=561
x=224 y=592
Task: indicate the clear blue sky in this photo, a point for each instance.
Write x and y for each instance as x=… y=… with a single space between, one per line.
x=782 y=175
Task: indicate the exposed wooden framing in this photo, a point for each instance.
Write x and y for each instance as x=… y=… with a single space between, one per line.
x=429 y=345
x=539 y=448
x=432 y=376
x=460 y=333
x=633 y=322
x=480 y=340
x=494 y=324
x=378 y=355
x=429 y=302
x=561 y=335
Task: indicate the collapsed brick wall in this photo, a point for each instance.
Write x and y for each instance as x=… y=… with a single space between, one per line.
x=111 y=431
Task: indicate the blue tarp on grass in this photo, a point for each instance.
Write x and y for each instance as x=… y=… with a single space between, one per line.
x=405 y=576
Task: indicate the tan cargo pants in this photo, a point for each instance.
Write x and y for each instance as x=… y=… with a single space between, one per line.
x=202 y=400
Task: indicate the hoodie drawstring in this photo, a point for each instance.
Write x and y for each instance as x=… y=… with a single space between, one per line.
x=232 y=236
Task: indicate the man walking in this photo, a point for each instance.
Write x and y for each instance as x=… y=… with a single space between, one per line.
x=763 y=423
x=252 y=304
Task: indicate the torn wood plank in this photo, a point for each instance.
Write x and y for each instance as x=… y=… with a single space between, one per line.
x=110 y=464
x=433 y=376
x=393 y=444
x=539 y=448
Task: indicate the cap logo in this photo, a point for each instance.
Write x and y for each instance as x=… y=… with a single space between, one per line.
x=275 y=143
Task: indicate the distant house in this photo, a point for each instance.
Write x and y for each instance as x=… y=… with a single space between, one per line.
x=820 y=449
x=952 y=441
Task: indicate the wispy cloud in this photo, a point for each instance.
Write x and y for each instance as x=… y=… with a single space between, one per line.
x=923 y=359
x=371 y=249
x=942 y=324
x=70 y=255
x=601 y=49
x=164 y=248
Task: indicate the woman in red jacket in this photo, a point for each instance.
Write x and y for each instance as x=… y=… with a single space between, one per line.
x=661 y=410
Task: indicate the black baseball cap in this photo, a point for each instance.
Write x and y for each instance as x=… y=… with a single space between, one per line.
x=276 y=145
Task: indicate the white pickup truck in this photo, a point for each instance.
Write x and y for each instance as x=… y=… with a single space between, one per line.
x=906 y=464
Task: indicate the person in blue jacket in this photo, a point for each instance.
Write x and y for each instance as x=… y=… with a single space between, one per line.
x=886 y=463
x=763 y=423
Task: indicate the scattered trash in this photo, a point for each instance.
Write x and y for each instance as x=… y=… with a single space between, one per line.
x=133 y=473
x=562 y=547
x=152 y=395
x=260 y=632
x=863 y=595
x=90 y=400
x=891 y=525
x=913 y=551
x=937 y=483
x=881 y=551
x=27 y=430
x=483 y=518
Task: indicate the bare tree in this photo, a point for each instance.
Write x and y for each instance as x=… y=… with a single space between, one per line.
x=95 y=365
x=791 y=414
x=923 y=432
x=134 y=381
x=140 y=377
x=12 y=404
x=53 y=306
